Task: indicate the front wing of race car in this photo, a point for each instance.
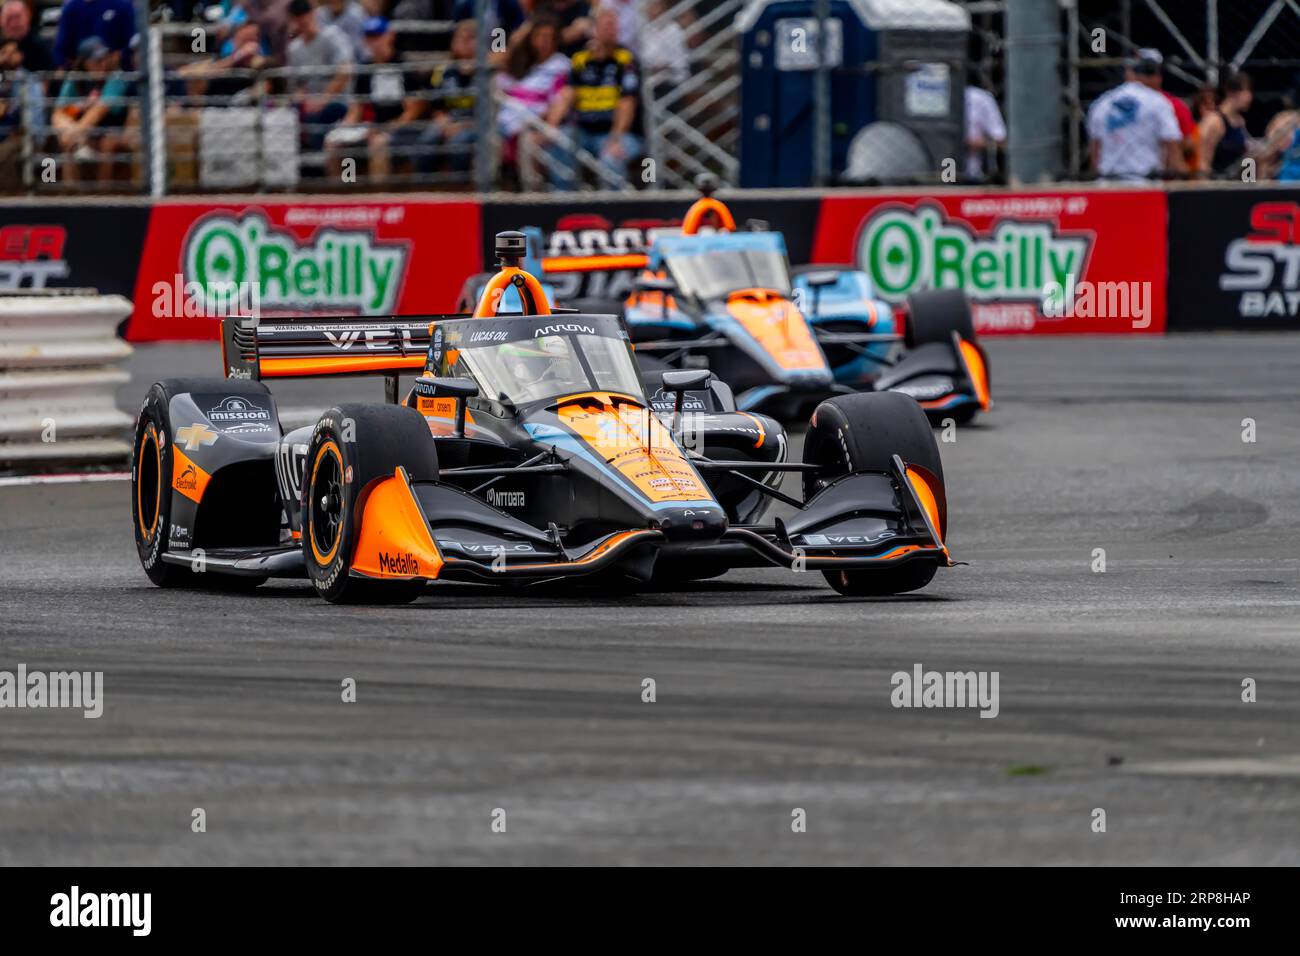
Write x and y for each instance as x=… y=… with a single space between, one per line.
x=433 y=530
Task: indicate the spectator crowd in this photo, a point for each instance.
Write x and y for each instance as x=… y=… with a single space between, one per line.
x=385 y=91
x=389 y=84
x=1139 y=131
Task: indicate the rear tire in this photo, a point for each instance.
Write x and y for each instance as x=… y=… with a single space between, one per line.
x=151 y=470
x=934 y=315
x=151 y=501
x=863 y=432
x=338 y=475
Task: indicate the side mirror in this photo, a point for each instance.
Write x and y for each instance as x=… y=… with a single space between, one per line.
x=686 y=380
x=681 y=381
x=458 y=388
x=819 y=280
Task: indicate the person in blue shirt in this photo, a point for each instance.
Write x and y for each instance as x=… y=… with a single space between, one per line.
x=90 y=114
x=113 y=21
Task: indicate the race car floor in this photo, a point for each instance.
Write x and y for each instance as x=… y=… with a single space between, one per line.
x=1119 y=690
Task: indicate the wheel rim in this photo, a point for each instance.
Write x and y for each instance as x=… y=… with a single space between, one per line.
x=325 y=503
x=148 y=476
x=831 y=463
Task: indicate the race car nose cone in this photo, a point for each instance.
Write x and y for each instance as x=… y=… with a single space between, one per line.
x=691 y=524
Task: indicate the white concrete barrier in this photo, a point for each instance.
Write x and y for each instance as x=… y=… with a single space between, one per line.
x=58 y=380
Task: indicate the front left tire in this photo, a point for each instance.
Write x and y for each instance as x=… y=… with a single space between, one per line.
x=351 y=448
x=851 y=433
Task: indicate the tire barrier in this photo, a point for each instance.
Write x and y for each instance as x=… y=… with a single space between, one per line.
x=59 y=353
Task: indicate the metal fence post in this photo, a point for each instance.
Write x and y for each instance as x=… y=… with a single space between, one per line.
x=482 y=103
x=822 y=98
x=156 y=101
x=1033 y=91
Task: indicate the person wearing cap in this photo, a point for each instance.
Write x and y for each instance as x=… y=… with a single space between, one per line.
x=1133 y=128
x=327 y=53
x=89 y=114
x=1149 y=67
x=387 y=108
x=113 y=21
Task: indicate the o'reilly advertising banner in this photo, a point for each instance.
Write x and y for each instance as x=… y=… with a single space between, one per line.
x=1063 y=262
x=277 y=258
x=1234 y=258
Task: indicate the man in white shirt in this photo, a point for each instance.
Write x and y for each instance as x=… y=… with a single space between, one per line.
x=1134 y=131
x=984 y=126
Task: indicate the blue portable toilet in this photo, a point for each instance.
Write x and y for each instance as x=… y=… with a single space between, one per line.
x=901 y=62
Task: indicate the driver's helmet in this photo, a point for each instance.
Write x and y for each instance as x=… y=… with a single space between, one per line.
x=545 y=359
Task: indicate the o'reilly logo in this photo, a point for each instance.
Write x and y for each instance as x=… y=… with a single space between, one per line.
x=348 y=270
x=75 y=908
x=398 y=563
x=907 y=250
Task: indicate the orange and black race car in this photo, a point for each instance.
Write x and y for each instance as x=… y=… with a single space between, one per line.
x=529 y=448
x=727 y=300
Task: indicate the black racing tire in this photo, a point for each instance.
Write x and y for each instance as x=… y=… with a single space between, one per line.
x=863 y=432
x=934 y=315
x=151 y=464
x=351 y=447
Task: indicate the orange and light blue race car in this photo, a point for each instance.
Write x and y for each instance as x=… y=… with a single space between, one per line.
x=728 y=301
x=529 y=448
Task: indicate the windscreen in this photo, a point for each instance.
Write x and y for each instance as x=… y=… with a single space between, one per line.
x=547 y=366
x=715 y=268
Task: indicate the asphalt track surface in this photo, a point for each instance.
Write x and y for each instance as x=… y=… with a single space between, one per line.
x=1118 y=690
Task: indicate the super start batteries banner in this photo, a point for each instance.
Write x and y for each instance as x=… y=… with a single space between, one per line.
x=1234 y=258
x=1085 y=261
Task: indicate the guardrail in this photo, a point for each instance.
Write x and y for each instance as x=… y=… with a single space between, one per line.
x=58 y=352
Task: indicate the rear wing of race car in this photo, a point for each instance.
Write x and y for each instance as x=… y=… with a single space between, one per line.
x=346 y=345
x=349 y=345
x=596 y=262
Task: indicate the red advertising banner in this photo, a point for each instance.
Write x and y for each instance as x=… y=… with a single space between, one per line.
x=1087 y=261
x=203 y=260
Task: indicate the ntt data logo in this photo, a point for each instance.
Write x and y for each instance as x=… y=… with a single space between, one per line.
x=348 y=270
x=907 y=250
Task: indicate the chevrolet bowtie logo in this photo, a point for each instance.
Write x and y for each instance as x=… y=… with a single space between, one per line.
x=195 y=436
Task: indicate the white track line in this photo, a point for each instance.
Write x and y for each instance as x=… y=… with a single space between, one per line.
x=17 y=480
